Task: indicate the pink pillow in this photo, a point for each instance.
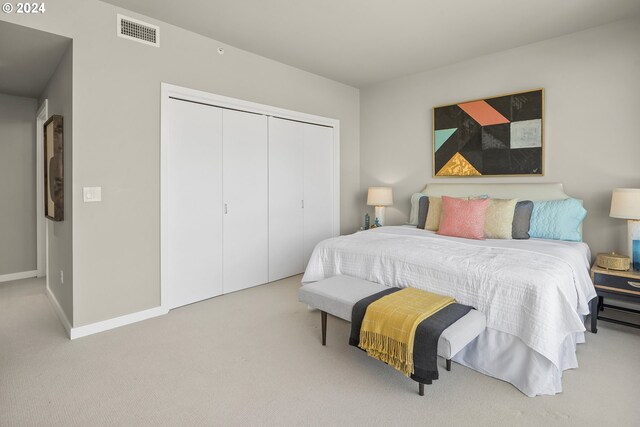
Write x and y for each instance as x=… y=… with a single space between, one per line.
x=463 y=218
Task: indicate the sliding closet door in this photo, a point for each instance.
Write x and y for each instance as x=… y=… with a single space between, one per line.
x=192 y=226
x=286 y=162
x=318 y=187
x=246 y=247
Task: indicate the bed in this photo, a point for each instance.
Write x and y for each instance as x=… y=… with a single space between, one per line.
x=535 y=293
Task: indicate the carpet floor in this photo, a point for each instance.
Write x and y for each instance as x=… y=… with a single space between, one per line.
x=254 y=358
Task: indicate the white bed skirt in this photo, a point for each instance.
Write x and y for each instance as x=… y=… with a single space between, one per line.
x=506 y=357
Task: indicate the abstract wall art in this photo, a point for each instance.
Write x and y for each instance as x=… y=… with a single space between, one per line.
x=490 y=137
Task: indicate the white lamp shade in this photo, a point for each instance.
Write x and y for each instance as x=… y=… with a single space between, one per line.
x=380 y=196
x=625 y=203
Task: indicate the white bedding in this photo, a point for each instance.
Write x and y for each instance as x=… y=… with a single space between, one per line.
x=536 y=290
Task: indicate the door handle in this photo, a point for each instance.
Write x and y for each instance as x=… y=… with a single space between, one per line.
x=302 y=204
x=225 y=209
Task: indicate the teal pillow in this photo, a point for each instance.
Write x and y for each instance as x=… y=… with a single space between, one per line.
x=557 y=219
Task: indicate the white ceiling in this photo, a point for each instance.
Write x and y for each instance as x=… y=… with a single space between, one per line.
x=28 y=58
x=360 y=42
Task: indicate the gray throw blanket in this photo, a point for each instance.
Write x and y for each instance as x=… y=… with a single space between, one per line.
x=425 y=347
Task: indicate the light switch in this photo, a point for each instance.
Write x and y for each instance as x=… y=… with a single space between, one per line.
x=92 y=194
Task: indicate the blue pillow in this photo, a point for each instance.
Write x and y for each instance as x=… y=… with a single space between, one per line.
x=557 y=219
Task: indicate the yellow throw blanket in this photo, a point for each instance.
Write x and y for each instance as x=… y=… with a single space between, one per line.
x=390 y=323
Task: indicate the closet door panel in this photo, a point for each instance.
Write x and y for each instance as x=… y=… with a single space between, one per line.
x=286 y=163
x=193 y=223
x=246 y=249
x=318 y=187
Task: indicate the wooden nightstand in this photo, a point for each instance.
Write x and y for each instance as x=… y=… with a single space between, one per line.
x=621 y=285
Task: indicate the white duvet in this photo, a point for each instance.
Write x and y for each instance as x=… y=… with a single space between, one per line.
x=534 y=289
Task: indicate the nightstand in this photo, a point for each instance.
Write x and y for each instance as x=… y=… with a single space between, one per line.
x=621 y=285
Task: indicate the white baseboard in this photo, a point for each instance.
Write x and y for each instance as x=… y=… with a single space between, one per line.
x=105 y=325
x=116 y=322
x=59 y=311
x=18 y=276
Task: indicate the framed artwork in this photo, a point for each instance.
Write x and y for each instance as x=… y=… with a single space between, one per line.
x=53 y=169
x=500 y=136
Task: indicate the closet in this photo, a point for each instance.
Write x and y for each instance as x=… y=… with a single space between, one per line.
x=300 y=193
x=245 y=245
x=246 y=195
x=192 y=214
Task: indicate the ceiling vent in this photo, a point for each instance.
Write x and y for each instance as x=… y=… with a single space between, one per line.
x=132 y=29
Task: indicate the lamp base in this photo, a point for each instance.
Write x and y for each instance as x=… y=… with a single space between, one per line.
x=379 y=215
x=633 y=239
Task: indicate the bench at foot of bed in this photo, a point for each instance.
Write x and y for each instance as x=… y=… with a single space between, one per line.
x=337 y=296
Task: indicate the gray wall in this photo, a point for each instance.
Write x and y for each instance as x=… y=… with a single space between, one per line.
x=592 y=86
x=59 y=94
x=18 y=244
x=116 y=105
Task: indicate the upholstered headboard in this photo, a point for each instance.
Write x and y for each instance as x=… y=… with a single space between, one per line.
x=538 y=191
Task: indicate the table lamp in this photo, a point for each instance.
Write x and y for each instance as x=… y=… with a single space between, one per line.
x=380 y=197
x=625 y=204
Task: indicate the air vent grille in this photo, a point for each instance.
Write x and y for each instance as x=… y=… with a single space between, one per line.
x=139 y=31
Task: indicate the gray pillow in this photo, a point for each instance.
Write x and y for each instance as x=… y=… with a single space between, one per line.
x=522 y=220
x=423 y=209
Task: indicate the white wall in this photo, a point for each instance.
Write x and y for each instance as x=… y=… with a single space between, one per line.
x=58 y=92
x=18 y=245
x=116 y=134
x=592 y=144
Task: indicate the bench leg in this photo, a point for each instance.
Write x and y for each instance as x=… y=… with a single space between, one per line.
x=323 y=316
x=421 y=387
x=448 y=364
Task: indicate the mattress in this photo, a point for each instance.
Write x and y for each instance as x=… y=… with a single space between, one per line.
x=534 y=293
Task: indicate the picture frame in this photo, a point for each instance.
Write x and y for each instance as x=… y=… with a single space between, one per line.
x=54 y=169
x=500 y=136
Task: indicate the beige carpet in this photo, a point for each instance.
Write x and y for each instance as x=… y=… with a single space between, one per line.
x=254 y=358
